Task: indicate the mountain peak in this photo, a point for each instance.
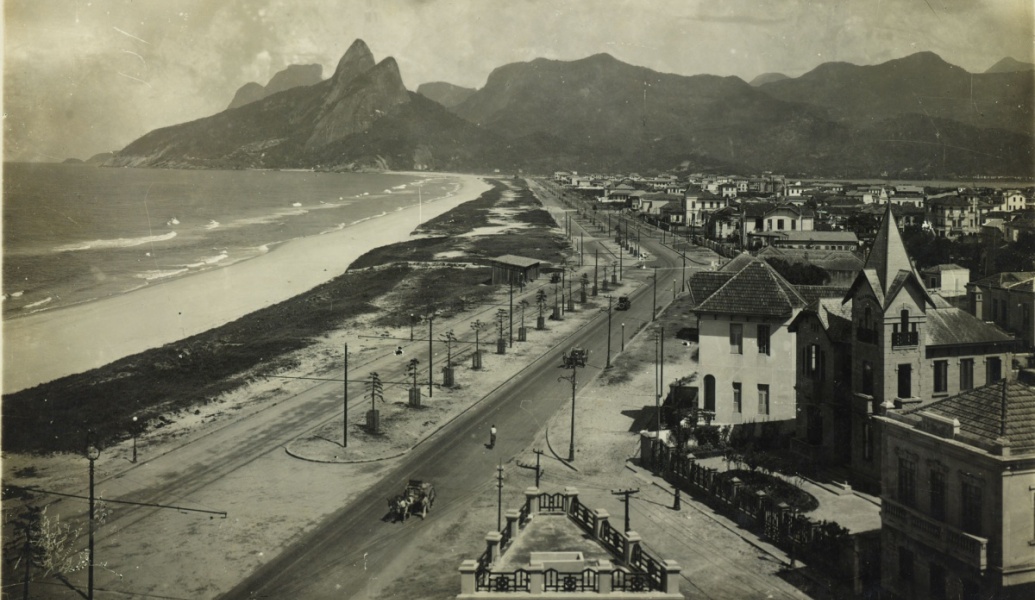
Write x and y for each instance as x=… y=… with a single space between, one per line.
x=356 y=61
x=765 y=78
x=1009 y=65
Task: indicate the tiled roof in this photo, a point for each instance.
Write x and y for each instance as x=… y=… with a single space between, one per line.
x=831 y=260
x=999 y=411
x=813 y=293
x=1010 y=280
x=820 y=236
x=704 y=283
x=516 y=261
x=887 y=265
x=940 y=268
x=952 y=326
x=756 y=290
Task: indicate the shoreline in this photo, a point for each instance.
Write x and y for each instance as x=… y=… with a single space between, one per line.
x=48 y=345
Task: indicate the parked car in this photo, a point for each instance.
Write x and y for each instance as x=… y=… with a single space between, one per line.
x=624 y=303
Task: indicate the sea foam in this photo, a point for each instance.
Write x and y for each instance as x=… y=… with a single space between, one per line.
x=115 y=243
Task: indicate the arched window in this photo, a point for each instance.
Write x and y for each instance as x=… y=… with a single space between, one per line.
x=905 y=320
x=709 y=393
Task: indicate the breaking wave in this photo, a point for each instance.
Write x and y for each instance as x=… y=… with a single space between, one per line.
x=115 y=243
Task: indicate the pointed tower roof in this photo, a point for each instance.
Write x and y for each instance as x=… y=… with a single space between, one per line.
x=887 y=266
x=888 y=255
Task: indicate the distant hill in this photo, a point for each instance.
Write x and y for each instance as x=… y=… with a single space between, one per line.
x=100 y=158
x=292 y=76
x=446 y=94
x=765 y=78
x=1009 y=65
x=905 y=117
x=361 y=117
x=921 y=83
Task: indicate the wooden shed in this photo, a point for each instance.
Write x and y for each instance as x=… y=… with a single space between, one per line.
x=514 y=269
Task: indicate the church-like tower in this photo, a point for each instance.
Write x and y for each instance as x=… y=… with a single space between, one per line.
x=889 y=314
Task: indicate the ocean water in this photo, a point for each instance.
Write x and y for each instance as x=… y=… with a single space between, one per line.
x=75 y=233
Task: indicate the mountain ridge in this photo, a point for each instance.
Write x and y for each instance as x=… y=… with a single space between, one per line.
x=599 y=113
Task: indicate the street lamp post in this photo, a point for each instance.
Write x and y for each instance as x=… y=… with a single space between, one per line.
x=413 y=319
x=623 y=337
x=134 y=440
x=92 y=454
x=654 y=309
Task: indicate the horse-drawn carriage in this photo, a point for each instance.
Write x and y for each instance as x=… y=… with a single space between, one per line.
x=416 y=498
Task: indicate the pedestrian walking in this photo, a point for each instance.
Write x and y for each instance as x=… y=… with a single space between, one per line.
x=492 y=436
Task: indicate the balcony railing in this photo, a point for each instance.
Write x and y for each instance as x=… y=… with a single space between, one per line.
x=905 y=338
x=969 y=549
x=868 y=336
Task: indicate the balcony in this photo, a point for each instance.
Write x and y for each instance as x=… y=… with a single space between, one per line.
x=905 y=338
x=868 y=336
x=969 y=549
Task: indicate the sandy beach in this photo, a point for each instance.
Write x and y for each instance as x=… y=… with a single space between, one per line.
x=52 y=344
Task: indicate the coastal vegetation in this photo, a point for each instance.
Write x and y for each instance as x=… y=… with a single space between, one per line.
x=445 y=271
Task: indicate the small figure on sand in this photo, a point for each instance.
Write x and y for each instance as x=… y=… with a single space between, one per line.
x=492 y=436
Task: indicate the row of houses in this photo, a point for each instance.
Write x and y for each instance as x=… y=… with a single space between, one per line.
x=900 y=391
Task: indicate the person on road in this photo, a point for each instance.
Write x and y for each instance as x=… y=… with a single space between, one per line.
x=492 y=436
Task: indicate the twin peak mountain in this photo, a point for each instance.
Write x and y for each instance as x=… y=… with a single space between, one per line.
x=917 y=116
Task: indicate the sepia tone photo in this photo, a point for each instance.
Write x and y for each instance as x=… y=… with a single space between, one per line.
x=461 y=299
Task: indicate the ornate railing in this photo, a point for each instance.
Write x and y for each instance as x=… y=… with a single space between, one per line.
x=905 y=338
x=868 y=336
x=625 y=581
x=582 y=515
x=557 y=581
x=648 y=565
x=551 y=502
x=613 y=539
x=515 y=581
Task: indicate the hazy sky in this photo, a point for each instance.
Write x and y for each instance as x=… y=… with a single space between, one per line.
x=87 y=76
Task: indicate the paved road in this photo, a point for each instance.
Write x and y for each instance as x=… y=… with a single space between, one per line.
x=346 y=554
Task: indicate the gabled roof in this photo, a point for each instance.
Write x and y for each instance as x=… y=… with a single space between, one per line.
x=756 y=289
x=996 y=413
x=887 y=266
x=1020 y=280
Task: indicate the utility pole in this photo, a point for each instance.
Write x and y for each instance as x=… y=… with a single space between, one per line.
x=511 y=331
x=499 y=496
x=345 y=384
x=596 y=263
x=573 y=361
x=625 y=498
x=608 y=309
x=431 y=340
x=654 y=309
x=538 y=470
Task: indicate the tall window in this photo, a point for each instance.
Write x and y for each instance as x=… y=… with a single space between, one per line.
x=737 y=398
x=763 y=399
x=970 y=508
x=966 y=374
x=867 y=377
x=937 y=494
x=868 y=440
x=993 y=369
x=905 y=565
x=906 y=481
x=763 y=339
x=936 y=584
x=941 y=376
x=905 y=381
x=709 y=393
x=736 y=338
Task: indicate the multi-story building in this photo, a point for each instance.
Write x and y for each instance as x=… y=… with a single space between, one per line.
x=1008 y=300
x=700 y=204
x=746 y=353
x=948 y=280
x=953 y=215
x=890 y=346
x=957 y=517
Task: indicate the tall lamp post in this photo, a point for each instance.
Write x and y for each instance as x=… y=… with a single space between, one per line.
x=608 y=309
x=92 y=454
x=573 y=361
x=134 y=439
